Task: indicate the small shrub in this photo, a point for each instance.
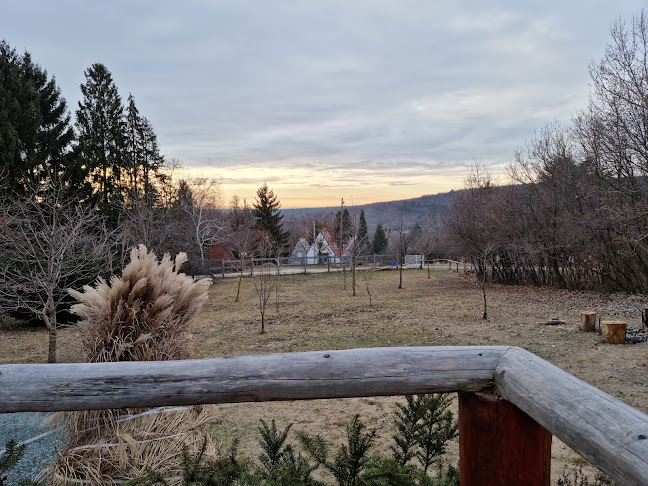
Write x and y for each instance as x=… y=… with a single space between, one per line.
x=575 y=477
x=10 y=457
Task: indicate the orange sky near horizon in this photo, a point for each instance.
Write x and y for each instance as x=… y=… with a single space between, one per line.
x=310 y=188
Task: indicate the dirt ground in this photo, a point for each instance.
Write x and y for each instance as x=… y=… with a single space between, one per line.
x=315 y=312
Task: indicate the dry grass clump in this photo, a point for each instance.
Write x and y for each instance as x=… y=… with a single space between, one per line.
x=126 y=444
x=141 y=316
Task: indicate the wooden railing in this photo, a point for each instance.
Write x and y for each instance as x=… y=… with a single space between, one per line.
x=510 y=400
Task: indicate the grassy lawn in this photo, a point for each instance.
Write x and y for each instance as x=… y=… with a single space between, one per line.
x=315 y=312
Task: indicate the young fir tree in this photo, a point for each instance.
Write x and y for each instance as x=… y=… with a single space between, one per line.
x=380 y=242
x=35 y=129
x=268 y=217
x=102 y=136
x=346 y=226
x=363 y=232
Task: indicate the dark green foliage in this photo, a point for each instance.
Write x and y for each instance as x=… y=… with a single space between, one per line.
x=142 y=158
x=437 y=427
x=268 y=218
x=282 y=465
x=445 y=476
x=424 y=426
x=363 y=232
x=35 y=129
x=12 y=455
x=352 y=465
x=352 y=458
x=102 y=136
x=272 y=442
x=380 y=241
x=575 y=477
x=407 y=424
x=346 y=228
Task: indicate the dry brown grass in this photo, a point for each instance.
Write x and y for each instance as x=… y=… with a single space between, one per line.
x=315 y=313
x=142 y=315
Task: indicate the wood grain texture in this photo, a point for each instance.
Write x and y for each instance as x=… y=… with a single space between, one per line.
x=587 y=321
x=607 y=432
x=499 y=444
x=289 y=376
x=614 y=332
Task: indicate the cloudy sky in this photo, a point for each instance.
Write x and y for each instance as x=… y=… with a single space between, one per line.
x=323 y=99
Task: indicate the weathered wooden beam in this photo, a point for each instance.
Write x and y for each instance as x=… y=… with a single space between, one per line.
x=499 y=444
x=289 y=376
x=607 y=432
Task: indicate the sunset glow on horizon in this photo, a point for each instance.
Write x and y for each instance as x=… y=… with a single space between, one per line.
x=312 y=187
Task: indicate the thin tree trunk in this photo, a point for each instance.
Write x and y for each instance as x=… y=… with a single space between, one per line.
x=485 y=316
x=51 y=354
x=238 y=290
x=353 y=275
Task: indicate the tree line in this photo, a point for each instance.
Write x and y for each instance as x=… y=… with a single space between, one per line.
x=576 y=215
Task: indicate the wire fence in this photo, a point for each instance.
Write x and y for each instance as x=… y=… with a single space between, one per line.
x=319 y=264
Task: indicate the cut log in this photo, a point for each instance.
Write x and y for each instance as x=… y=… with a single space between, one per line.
x=588 y=321
x=614 y=332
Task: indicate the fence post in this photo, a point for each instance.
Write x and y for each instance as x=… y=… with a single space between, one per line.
x=223 y=263
x=500 y=444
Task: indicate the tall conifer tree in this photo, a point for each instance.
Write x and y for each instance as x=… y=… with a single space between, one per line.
x=268 y=217
x=35 y=129
x=380 y=241
x=102 y=135
x=363 y=232
x=143 y=159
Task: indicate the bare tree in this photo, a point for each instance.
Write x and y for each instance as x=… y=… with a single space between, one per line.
x=265 y=282
x=49 y=242
x=199 y=198
x=242 y=236
x=367 y=275
x=426 y=244
x=401 y=245
x=356 y=246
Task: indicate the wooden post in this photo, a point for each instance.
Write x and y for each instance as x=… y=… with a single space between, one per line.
x=223 y=263
x=587 y=321
x=614 y=332
x=499 y=444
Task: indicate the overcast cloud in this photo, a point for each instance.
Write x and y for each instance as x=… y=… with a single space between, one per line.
x=355 y=93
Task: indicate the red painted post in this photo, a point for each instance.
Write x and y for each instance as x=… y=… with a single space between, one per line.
x=501 y=445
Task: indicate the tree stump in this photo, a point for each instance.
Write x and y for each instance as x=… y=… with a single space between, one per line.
x=587 y=321
x=614 y=332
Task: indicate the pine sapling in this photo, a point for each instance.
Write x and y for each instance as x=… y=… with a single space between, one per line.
x=436 y=429
x=10 y=457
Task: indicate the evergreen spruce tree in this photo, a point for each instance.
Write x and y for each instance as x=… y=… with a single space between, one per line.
x=102 y=136
x=380 y=242
x=268 y=218
x=142 y=158
x=35 y=129
x=363 y=232
x=347 y=226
